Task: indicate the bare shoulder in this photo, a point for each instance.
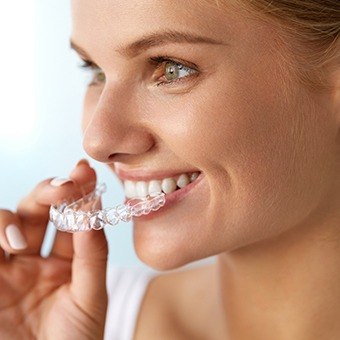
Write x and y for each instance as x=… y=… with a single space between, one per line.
x=168 y=297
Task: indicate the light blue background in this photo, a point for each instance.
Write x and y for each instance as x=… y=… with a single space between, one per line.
x=55 y=144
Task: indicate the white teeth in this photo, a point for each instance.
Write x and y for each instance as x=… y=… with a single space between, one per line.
x=129 y=188
x=193 y=176
x=155 y=186
x=141 y=189
x=168 y=185
x=183 y=180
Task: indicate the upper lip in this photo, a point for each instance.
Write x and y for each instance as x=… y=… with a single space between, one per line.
x=147 y=175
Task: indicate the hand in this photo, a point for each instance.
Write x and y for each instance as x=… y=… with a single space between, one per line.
x=62 y=296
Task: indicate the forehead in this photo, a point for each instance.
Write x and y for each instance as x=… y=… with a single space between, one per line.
x=117 y=22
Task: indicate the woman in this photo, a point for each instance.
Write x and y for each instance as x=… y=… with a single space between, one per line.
x=247 y=95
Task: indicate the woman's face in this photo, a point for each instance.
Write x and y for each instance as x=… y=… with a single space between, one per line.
x=265 y=145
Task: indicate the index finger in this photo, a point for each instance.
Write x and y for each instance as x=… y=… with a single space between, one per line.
x=63 y=243
x=33 y=210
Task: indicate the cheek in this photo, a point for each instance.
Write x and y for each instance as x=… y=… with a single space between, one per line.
x=273 y=150
x=263 y=157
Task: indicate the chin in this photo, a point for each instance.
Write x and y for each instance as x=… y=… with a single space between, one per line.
x=164 y=256
x=160 y=258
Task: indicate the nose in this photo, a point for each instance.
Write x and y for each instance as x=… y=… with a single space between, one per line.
x=114 y=131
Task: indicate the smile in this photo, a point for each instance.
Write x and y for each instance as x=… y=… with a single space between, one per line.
x=166 y=185
x=173 y=197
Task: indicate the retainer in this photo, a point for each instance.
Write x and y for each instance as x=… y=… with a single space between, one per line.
x=84 y=215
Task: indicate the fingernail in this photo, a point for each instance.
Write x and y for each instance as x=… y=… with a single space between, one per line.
x=83 y=161
x=14 y=237
x=59 y=181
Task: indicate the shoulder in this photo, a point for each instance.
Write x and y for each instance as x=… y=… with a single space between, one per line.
x=167 y=299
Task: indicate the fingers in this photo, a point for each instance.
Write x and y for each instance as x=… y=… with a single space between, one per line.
x=85 y=177
x=88 y=284
x=12 y=234
x=23 y=232
x=33 y=210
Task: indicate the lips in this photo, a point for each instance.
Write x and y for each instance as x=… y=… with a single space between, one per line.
x=148 y=175
x=172 y=199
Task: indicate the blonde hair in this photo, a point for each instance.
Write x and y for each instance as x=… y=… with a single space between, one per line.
x=312 y=25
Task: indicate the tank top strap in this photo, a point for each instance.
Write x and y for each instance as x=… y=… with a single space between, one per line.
x=126 y=288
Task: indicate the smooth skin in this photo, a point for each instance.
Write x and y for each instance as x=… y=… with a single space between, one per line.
x=269 y=203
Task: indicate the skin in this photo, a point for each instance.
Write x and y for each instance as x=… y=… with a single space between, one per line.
x=267 y=207
x=268 y=147
x=258 y=137
x=62 y=296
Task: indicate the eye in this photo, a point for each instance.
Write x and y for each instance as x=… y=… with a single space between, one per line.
x=98 y=76
x=173 y=71
x=169 y=70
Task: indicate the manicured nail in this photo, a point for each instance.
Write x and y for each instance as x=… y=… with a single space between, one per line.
x=58 y=181
x=14 y=237
x=83 y=161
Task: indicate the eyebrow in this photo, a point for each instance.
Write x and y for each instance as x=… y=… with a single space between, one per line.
x=155 y=39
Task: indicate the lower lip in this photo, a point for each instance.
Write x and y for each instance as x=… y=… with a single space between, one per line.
x=171 y=199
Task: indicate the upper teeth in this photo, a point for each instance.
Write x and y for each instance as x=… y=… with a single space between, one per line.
x=167 y=185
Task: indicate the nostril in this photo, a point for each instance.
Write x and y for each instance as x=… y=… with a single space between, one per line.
x=118 y=157
x=132 y=150
x=113 y=157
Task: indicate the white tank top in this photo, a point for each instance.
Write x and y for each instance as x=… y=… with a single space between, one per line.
x=126 y=288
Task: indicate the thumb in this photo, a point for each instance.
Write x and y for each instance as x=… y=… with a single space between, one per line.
x=88 y=284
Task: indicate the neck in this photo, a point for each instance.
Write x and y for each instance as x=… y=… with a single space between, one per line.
x=288 y=288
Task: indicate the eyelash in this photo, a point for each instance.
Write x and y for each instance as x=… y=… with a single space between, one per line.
x=89 y=65
x=158 y=61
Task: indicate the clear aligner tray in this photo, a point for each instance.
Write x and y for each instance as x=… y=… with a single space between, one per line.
x=84 y=214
